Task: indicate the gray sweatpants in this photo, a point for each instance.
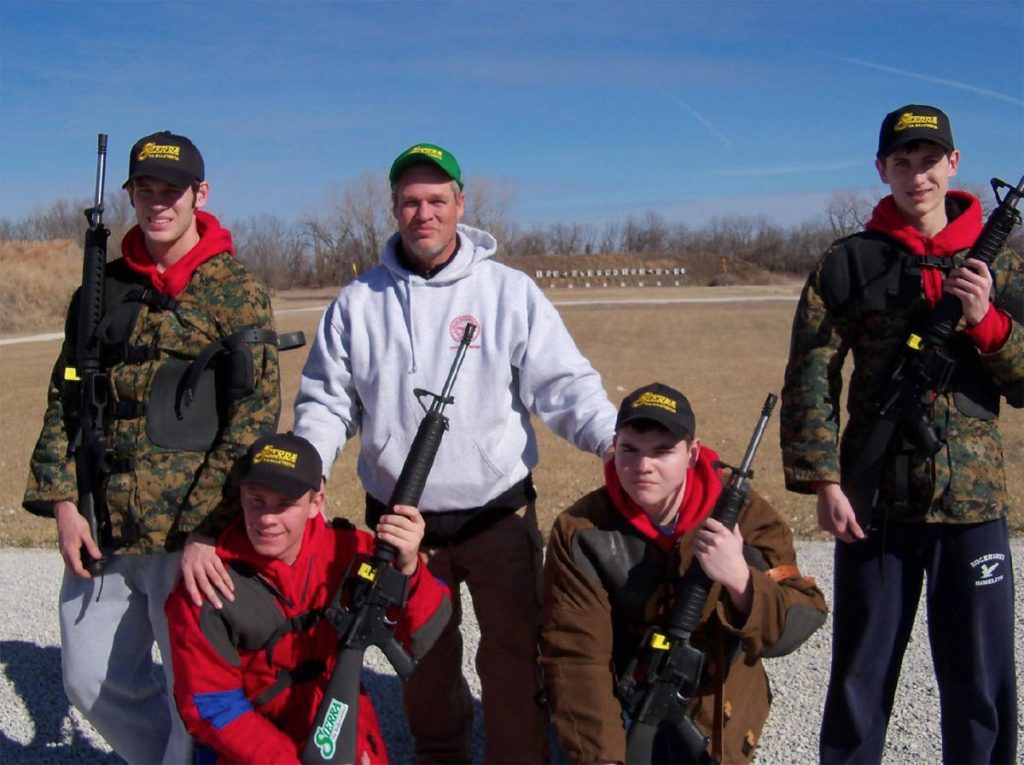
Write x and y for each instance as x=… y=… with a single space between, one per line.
x=108 y=626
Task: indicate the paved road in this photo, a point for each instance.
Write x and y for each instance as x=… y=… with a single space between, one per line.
x=38 y=726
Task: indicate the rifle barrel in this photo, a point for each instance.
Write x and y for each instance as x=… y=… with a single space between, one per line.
x=101 y=168
x=439 y=402
x=759 y=428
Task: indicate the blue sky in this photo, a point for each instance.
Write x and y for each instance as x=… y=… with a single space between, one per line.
x=591 y=111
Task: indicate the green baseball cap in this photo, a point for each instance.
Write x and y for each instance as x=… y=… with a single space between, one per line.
x=426 y=152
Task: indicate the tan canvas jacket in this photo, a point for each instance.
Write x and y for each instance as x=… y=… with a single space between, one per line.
x=604 y=584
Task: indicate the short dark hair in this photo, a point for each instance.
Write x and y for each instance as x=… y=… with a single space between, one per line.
x=913 y=146
x=644 y=425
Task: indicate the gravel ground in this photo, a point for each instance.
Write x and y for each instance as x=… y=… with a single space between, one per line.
x=37 y=725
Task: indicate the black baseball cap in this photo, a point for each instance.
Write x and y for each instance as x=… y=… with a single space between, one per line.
x=167 y=156
x=285 y=462
x=661 y=404
x=914 y=122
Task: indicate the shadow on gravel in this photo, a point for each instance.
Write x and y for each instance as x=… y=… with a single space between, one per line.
x=34 y=672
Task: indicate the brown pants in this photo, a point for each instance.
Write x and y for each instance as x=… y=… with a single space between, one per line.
x=501 y=566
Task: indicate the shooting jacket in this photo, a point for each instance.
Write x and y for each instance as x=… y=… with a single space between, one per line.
x=157 y=494
x=837 y=315
x=391 y=331
x=250 y=701
x=606 y=580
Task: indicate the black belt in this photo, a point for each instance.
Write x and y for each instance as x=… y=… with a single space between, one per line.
x=452 y=527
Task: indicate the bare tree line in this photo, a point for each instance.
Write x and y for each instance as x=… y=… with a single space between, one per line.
x=332 y=245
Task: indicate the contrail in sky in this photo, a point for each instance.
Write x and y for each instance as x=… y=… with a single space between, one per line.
x=950 y=83
x=793 y=169
x=700 y=117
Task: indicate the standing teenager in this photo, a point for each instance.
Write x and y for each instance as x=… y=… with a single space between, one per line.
x=940 y=519
x=176 y=292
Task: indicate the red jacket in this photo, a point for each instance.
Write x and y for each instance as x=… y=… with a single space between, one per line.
x=223 y=676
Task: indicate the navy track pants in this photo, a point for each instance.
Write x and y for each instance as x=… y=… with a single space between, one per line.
x=969 y=597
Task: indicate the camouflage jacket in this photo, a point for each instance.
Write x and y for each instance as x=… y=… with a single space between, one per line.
x=964 y=482
x=161 y=494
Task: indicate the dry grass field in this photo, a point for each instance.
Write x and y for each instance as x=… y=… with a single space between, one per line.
x=726 y=356
x=37 y=280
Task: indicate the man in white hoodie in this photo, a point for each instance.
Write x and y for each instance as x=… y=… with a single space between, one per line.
x=395 y=329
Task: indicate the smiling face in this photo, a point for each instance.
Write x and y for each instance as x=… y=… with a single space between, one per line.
x=427 y=207
x=275 y=523
x=651 y=465
x=167 y=216
x=918 y=176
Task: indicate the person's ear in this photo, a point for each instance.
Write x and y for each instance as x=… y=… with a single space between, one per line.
x=316 y=504
x=954 y=162
x=202 y=195
x=880 y=167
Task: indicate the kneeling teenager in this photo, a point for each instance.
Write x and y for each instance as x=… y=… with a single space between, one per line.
x=249 y=676
x=612 y=560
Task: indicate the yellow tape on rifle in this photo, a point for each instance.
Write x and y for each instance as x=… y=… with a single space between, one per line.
x=658 y=642
x=367 y=572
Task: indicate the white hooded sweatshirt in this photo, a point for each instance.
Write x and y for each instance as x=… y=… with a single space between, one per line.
x=391 y=331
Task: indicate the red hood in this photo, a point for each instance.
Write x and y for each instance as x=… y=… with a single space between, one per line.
x=234 y=545
x=213 y=240
x=703 y=485
x=959 y=234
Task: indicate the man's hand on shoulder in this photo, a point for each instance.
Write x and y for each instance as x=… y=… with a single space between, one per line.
x=835 y=514
x=204 y=573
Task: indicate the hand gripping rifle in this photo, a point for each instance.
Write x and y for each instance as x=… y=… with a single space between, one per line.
x=925 y=366
x=365 y=607
x=86 y=371
x=667 y=671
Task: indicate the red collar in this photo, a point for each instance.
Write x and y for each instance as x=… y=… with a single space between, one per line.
x=172 y=281
x=703 y=485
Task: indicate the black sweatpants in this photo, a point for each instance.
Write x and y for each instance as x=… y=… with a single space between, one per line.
x=969 y=596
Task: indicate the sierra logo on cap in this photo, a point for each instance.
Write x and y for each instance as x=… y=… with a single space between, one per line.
x=430 y=151
x=275 y=456
x=655 y=399
x=159 y=151
x=909 y=120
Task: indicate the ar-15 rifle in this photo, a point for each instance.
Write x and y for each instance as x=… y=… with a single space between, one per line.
x=666 y=672
x=925 y=367
x=86 y=371
x=364 y=606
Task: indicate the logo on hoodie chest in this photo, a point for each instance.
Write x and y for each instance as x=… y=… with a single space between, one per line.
x=457 y=327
